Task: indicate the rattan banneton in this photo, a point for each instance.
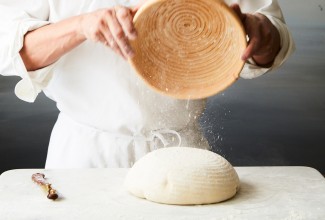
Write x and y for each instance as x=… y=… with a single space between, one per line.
x=188 y=49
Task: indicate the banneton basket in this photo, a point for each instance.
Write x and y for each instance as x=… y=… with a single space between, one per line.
x=188 y=49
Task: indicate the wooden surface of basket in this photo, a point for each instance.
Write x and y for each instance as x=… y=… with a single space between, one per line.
x=188 y=49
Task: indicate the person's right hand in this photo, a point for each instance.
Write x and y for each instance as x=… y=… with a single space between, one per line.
x=264 y=38
x=113 y=27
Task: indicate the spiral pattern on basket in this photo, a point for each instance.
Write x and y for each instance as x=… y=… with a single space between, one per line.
x=188 y=48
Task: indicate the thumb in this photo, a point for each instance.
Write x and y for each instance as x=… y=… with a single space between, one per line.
x=237 y=10
x=134 y=10
x=138 y=6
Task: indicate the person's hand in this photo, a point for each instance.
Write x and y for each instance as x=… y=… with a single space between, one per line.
x=113 y=27
x=264 y=38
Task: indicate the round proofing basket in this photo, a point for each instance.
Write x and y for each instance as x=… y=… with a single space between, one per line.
x=188 y=49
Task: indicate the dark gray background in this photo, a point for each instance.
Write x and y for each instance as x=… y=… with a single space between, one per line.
x=276 y=119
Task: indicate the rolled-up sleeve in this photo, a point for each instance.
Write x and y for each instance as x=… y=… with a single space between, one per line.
x=273 y=12
x=18 y=17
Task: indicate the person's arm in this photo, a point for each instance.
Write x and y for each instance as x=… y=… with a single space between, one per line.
x=30 y=44
x=47 y=44
x=112 y=27
x=16 y=19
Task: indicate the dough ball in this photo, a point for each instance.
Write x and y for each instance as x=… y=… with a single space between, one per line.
x=182 y=176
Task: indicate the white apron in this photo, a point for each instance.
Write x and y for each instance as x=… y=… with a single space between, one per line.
x=109 y=117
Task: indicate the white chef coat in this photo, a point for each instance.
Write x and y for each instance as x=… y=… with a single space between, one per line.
x=108 y=116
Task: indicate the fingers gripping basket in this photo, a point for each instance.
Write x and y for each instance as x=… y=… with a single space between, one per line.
x=188 y=49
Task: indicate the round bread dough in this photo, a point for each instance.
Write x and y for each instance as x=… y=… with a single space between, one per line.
x=182 y=176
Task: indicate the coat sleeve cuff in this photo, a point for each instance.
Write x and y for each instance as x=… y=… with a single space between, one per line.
x=32 y=82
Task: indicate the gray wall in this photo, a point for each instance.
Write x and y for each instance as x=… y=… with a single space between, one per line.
x=277 y=119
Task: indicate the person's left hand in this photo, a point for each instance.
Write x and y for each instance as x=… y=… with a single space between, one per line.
x=264 y=38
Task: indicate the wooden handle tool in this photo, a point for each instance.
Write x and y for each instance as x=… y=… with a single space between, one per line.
x=39 y=178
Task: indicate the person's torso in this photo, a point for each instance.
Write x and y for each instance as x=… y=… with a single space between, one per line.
x=94 y=86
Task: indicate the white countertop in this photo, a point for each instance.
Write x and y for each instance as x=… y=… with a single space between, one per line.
x=96 y=194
